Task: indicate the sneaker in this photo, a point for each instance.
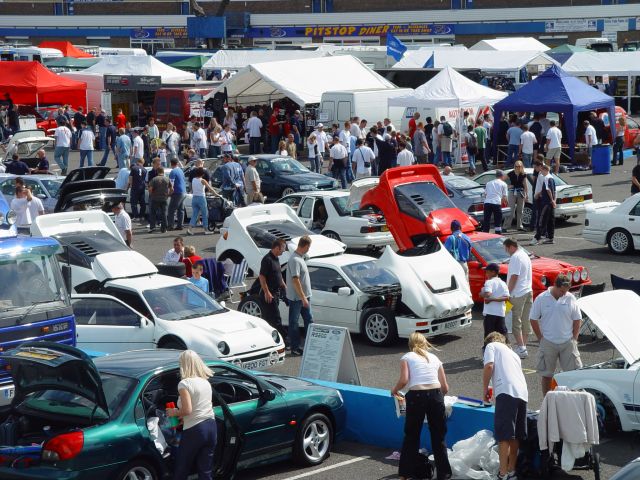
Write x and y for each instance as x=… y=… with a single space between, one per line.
x=511 y=476
x=297 y=352
x=189 y=232
x=549 y=241
x=522 y=352
x=207 y=232
x=535 y=241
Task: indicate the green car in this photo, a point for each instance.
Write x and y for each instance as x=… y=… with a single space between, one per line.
x=77 y=418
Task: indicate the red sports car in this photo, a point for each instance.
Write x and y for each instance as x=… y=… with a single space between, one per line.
x=415 y=203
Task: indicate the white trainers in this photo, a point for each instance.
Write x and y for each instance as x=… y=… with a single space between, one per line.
x=521 y=351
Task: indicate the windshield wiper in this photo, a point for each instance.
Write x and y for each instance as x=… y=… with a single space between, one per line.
x=35 y=304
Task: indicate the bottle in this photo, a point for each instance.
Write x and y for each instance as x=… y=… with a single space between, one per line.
x=173 y=421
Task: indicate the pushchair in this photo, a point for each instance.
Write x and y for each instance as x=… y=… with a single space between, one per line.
x=219 y=208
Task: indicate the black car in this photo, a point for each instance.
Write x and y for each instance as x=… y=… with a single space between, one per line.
x=281 y=176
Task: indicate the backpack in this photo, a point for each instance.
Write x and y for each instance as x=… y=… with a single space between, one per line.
x=447 y=129
x=472 y=144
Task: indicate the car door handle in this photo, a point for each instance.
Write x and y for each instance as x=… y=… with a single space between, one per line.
x=631 y=219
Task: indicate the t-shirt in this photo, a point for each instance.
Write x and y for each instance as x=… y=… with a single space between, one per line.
x=121 y=121
x=495 y=190
x=556 y=317
x=35 y=208
x=123 y=143
x=138 y=177
x=21 y=207
x=513 y=135
x=270 y=269
x=123 y=223
x=459 y=246
x=495 y=288
x=345 y=139
x=172 y=256
x=520 y=264
x=172 y=139
x=507 y=374
x=199 y=139
x=549 y=192
x=338 y=152
x=17 y=167
x=421 y=371
x=201 y=406
x=202 y=283
x=177 y=178
x=405 y=158
x=412 y=127
x=43 y=164
x=251 y=175
x=635 y=173
x=160 y=188
x=419 y=140
x=527 y=140
x=254 y=126
x=555 y=136
x=86 y=139
x=590 y=136
x=360 y=156
x=297 y=267
x=321 y=140
x=138 y=146
x=122 y=180
x=63 y=136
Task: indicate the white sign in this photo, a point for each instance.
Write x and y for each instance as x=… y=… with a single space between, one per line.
x=105 y=101
x=616 y=25
x=328 y=355
x=323 y=116
x=611 y=36
x=571 y=25
x=27 y=122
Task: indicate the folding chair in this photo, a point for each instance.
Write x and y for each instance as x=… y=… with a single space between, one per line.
x=214 y=272
x=236 y=278
x=588 y=327
x=620 y=283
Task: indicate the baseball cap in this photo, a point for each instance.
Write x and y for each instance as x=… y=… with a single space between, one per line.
x=252 y=159
x=320 y=125
x=494 y=267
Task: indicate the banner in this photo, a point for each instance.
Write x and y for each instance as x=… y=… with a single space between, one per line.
x=395 y=48
x=158 y=32
x=616 y=25
x=571 y=25
x=366 y=30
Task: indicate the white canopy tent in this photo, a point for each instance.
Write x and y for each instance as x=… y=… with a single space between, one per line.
x=520 y=44
x=303 y=81
x=238 y=59
x=138 y=65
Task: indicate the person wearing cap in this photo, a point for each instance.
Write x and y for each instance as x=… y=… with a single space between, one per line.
x=322 y=140
x=495 y=194
x=495 y=294
x=122 y=221
x=556 y=319
x=459 y=246
x=251 y=178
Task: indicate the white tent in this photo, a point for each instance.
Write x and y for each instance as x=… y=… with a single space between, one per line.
x=303 y=81
x=603 y=63
x=511 y=44
x=238 y=59
x=449 y=89
x=138 y=65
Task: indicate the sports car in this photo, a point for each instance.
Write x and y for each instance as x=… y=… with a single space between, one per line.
x=614 y=224
x=82 y=419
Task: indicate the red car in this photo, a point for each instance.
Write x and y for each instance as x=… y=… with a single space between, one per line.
x=415 y=203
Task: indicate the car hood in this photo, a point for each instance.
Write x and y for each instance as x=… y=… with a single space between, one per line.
x=615 y=313
x=444 y=216
x=101 y=195
x=544 y=265
x=359 y=188
x=109 y=266
x=321 y=246
x=601 y=208
x=307 y=178
x=39 y=366
x=222 y=323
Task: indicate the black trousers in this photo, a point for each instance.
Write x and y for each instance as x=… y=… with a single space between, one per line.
x=494 y=323
x=158 y=214
x=254 y=145
x=419 y=404
x=490 y=210
x=272 y=315
x=481 y=156
x=618 y=148
x=197 y=445
x=546 y=221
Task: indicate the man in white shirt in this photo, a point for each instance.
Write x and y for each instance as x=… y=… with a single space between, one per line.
x=495 y=195
x=85 y=144
x=254 y=126
x=554 y=145
x=519 y=281
x=362 y=159
x=345 y=136
x=321 y=139
x=527 y=142
x=176 y=253
x=122 y=221
x=199 y=140
x=495 y=295
x=20 y=205
x=251 y=177
x=137 y=151
x=354 y=130
x=339 y=157
x=556 y=319
x=386 y=122
x=590 y=137
x=62 y=135
x=405 y=157
x=36 y=208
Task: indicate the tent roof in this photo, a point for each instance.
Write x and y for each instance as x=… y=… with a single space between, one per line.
x=567 y=48
x=603 y=63
x=511 y=44
x=449 y=89
x=139 y=65
x=301 y=80
x=237 y=59
x=487 y=61
x=191 y=63
x=70 y=62
x=66 y=48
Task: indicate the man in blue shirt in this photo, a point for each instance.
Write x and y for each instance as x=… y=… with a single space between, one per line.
x=110 y=138
x=197 y=279
x=17 y=166
x=176 y=203
x=137 y=186
x=123 y=149
x=232 y=181
x=513 y=136
x=459 y=246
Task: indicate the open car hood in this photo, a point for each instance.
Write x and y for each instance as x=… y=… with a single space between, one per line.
x=359 y=188
x=85 y=173
x=91 y=194
x=615 y=312
x=39 y=366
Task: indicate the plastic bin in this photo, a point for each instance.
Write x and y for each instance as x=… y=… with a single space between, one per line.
x=601 y=159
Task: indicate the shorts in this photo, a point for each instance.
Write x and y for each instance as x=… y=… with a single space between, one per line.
x=520 y=310
x=554 y=153
x=510 y=418
x=549 y=353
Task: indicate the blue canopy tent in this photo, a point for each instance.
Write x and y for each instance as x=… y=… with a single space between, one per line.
x=556 y=91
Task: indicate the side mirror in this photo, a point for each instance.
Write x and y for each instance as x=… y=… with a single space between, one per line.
x=344 y=291
x=267 y=395
x=66 y=276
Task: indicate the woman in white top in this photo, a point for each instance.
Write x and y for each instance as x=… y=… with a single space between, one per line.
x=214 y=139
x=315 y=159
x=195 y=408
x=282 y=148
x=199 y=186
x=226 y=139
x=421 y=373
x=230 y=119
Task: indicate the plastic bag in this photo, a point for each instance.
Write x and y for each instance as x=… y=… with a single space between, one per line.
x=475 y=458
x=156 y=434
x=449 y=400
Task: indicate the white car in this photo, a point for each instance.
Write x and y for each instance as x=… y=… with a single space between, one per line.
x=386 y=298
x=614 y=224
x=357 y=229
x=615 y=383
x=121 y=302
x=571 y=201
x=249 y=232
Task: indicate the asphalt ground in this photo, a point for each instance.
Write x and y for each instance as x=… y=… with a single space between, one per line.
x=460 y=353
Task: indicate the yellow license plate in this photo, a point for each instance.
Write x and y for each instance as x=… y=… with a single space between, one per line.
x=384 y=228
x=577 y=199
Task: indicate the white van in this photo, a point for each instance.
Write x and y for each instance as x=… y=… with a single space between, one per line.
x=371 y=105
x=597 y=44
x=36 y=53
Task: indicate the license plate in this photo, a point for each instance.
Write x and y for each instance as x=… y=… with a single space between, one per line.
x=577 y=199
x=450 y=325
x=384 y=228
x=255 y=364
x=9 y=393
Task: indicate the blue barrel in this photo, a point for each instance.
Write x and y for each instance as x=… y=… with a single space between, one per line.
x=601 y=159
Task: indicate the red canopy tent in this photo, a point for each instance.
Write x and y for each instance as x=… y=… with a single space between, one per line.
x=31 y=83
x=66 y=48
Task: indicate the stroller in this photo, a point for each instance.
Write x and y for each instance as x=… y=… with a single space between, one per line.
x=219 y=209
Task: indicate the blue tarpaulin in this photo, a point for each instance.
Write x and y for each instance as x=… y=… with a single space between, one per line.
x=557 y=91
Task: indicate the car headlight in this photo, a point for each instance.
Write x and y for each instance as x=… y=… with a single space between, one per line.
x=275 y=335
x=306 y=188
x=584 y=275
x=11 y=217
x=223 y=348
x=543 y=280
x=576 y=276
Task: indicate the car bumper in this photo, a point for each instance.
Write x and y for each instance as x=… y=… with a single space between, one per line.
x=598 y=237
x=431 y=327
x=259 y=359
x=42 y=472
x=369 y=240
x=571 y=209
x=6 y=395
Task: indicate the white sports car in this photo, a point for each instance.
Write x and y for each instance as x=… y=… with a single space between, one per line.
x=249 y=232
x=329 y=213
x=615 y=383
x=614 y=224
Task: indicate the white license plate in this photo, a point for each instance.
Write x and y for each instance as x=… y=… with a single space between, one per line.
x=9 y=393
x=452 y=324
x=256 y=364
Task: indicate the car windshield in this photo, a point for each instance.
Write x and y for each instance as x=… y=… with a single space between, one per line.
x=287 y=166
x=181 y=302
x=423 y=196
x=117 y=390
x=369 y=276
x=466 y=186
x=492 y=250
x=52 y=186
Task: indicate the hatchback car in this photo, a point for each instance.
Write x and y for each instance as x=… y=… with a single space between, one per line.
x=468 y=196
x=74 y=418
x=614 y=224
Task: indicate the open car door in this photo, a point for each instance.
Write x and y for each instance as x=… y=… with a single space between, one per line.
x=230 y=441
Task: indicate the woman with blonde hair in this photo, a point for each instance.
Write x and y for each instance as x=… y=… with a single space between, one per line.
x=282 y=148
x=195 y=408
x=518 y=188
x=422 y=374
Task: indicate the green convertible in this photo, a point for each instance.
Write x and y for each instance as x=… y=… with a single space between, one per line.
x=77 y=418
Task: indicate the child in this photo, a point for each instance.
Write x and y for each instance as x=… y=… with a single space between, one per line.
x=198 y=280
x=162 y=153
x=495 y=293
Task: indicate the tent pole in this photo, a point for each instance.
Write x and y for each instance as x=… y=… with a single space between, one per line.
x=37 y=102
x=628 y=94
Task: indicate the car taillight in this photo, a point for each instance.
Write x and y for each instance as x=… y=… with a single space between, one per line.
x=588 y=196
x=370 y=229
x=584 y=275
x=63 y=447
x=476 y=207
x=576 y=276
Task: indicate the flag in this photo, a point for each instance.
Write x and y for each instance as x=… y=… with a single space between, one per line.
x=395 y=48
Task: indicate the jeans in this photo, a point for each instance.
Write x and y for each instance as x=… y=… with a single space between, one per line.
x=214 y=151
x=618 y=147
x=136 y=198
x=176 y=204
x=102 y=138
x=197 y=445
x=199 y=207
x=275 y=139
x=491 y=209
x=315 y=164
x=527 y=159
x=446 y=158
x=512 y=155
x=295 y=310
x=88 y=154
x=254 y=145
x=158 y=214
x=340 y=171
x=437 y=155
x=546 y=222
x=472 y=162
x=421 y=403
x=105 y=155
x=61 y=156
x=123 y=161
x=202 y=152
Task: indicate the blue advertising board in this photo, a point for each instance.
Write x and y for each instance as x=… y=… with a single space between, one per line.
x=347 y=30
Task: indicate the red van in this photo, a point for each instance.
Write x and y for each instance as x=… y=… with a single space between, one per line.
x=176 y=105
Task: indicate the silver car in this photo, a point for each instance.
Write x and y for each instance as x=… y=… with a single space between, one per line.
x=45 y=187
x=468 y=196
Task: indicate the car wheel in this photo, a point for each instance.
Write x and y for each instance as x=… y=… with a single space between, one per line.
x=173 y=344
x=379 y=326
x=330 y=234
x=620 y=241
x=314 y=439
x=288 y=191
x=527 y=215
x=252 y=305
x=138 y=470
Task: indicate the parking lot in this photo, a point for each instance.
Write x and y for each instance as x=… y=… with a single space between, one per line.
x=461 y=353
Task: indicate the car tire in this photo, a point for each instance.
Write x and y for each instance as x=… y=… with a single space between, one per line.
x=527 y=215
x=287 y=191
x=173 y=269
x=379 y=326
x=172 y=344
x=330 y=234
x=252 y=305
x=620 y=241
x=313 y=441
x=138 y=469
